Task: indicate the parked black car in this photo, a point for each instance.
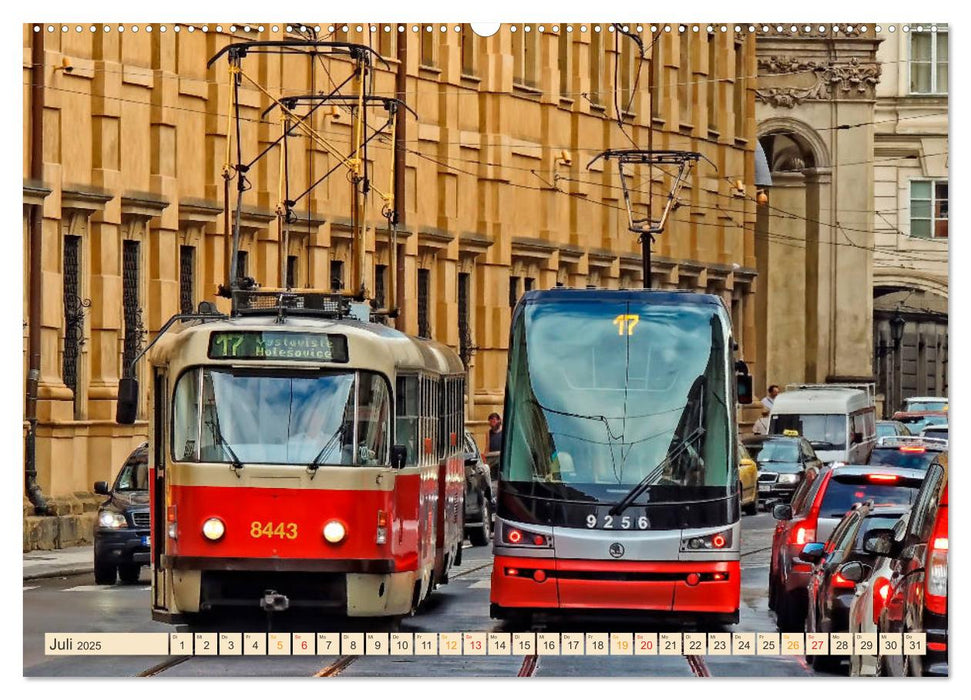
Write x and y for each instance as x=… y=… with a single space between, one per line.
x=479 y=494
x=782 y=463
x=121 y=535
x=839 y=564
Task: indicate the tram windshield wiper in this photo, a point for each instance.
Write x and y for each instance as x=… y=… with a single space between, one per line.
x=314 y=465
x=234 y=462
x=655 y=473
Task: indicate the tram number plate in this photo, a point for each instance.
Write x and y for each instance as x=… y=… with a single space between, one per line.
x=618 y=522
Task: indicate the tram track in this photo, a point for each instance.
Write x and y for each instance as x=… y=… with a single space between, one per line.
x=336 y=668
x=161 y=668
x=529 y=666
x=698 y=665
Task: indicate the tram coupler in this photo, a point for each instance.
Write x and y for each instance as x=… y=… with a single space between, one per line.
x=274 y=602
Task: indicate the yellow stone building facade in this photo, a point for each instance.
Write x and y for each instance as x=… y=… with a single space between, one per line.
x=498 y=198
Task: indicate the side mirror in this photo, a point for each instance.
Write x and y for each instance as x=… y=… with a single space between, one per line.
x=101 y=488
x=744 y=384
x=127 y=409
x=855 y=571
x=783 y=511
x=812 y=552
x=879 y=542
x=399 y=455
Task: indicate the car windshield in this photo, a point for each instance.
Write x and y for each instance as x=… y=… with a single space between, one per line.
x=917 y=423
x=134 y=474
x=889 y=429
x=824 y=431
x=602 y=391
x=913 y=405
x=910 y=458
x=779 y=451
x=840 y=496
x=933 y=432
x=269 y=417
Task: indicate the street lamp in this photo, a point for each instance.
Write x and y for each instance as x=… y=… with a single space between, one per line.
x=897 y=324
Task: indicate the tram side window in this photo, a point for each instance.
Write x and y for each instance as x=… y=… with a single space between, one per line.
x=406 y=421
x=185 y=414
x=372 y=420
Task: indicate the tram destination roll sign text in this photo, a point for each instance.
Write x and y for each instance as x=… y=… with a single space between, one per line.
x=271 y=345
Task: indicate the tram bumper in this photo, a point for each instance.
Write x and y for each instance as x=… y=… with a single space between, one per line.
x=689 y=587
x=365 y=588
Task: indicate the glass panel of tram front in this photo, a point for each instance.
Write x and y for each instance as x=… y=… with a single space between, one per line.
x=619 y=464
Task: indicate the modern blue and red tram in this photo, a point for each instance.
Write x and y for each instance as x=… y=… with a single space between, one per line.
x=301 y=458
x=618 y=486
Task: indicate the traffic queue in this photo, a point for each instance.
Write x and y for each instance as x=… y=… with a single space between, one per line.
x=860 y=544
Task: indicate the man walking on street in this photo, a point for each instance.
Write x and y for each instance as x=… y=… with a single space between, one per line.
x=495 y=433
x=770 y=397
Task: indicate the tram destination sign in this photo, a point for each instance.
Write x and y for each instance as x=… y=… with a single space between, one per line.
x=275 y=345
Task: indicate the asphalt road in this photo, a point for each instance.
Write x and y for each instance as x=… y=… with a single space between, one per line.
x=76 y=604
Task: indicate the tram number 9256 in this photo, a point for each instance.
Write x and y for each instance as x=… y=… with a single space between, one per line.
x=618 y=522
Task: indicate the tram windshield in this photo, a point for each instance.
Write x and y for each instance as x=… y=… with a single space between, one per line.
x=269 y=417
x=607 y=395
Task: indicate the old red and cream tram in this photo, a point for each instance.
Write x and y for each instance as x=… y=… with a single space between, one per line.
x=618 y=479
x=301 y=457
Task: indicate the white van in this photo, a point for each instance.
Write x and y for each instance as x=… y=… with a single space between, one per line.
x=838 y=420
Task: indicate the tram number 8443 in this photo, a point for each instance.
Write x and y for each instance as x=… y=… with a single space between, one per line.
x=625 y=522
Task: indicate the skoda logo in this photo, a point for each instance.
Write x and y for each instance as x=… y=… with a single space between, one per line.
x=616 y=550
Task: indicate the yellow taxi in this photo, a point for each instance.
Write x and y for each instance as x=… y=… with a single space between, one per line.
x=748 y=476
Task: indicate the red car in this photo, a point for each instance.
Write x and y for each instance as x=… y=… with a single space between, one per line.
x=816 y=508
x=917 y=600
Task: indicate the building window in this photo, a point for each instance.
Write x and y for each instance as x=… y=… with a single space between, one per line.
x=187 y=268
x=379 y=273
x=424 y=327
x=387 y=41
x=525 y=50
x=657 y=75
x=465 y=334
x=242 y=264
x=292 y=271
x=684 y=78
x=627 y=70
x=426 y=56
x=336 y=275
x=73 y=314
x=131 y=304
x=563 y=58
x=467 y=40
x=928 y=208
x=596 y=69
x=741 y=82
x=712 y=92
x=528 y=284
x=928 y=61
x=513 y=291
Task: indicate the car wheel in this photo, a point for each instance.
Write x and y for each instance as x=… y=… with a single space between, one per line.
x=790 y=617
x=129 y=573
x=105 y=574
x=826 y=664
x=482 y=535
x=773 y=594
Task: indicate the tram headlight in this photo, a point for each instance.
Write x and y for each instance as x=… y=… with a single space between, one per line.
x=523 y=538
x=213 y=529
x=334 y=531
x=111 y=519
x=701 y=543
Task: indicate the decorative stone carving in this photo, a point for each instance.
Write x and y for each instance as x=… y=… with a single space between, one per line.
x=852 y=78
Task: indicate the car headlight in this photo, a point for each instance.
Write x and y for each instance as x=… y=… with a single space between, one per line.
x=213 y=529
x=334 y=531
x=111 y=519
x=788 y=478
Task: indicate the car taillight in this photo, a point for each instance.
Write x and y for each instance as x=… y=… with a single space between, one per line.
x=881 y=591
x=840 y=582
x=914 y=449
x=803 y=533
x=935 y=593
x=885 y=478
